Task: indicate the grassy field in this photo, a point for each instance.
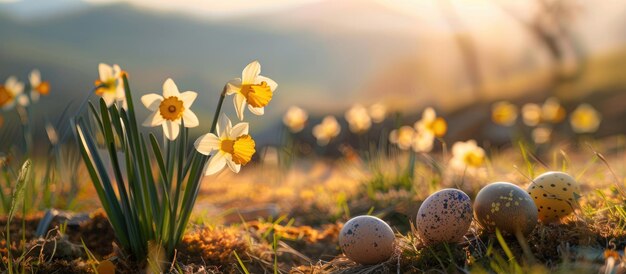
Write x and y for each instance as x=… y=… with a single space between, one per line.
x=274 y=217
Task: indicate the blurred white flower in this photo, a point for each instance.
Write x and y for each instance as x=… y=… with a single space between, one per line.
x=423 y=141
x=402 y=137
x=295 y=119
x=252 y=90
x=232 y=146
x=531 y=114
x=168 y=110
x=467 y=156
x=10 y=92
x=504 y=113
x=378 y=112
x=552 y=111
x=541 y=135
x=110 y=85
x=585 y=119
x=430 y=122
x=329 y=128
x=358 y=119
x=37 y=87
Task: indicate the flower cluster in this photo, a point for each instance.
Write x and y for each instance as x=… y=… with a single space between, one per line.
x=359 y=118
x=422 y=135
x=229 y=145
x=12 y=92
x=150 y=210
x=543 y=117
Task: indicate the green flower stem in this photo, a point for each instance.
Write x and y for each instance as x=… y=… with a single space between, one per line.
x=218 y=109
x=196 y=165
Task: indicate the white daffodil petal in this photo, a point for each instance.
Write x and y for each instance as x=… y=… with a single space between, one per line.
x=234 y=167
x=171 y=130
x=170 y=89
x=240 y=129
x=34 y=78
x=215 y=164
x=153 y=120
x=250 y=72
x=207 y=143
x=22 y=100
x=108 y=99
x=120 y=93
x=190 y=118
x=188 y=97
x=152 y=101
x=233 y=86
x=105 y=71
x=240 y=105
x=225 y=125
x=117 y=71
x=273 y=85
x=256 y=111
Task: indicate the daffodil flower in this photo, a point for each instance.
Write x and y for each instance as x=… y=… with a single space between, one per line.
x=358 y=119
x=170 y=109
x=430 y=122
x=467 y=156
x=295 y=118
x=9 y=92
x=402 y=137
x=110 y=85
x=552 y=111
x=585 y=119
x=378 y=112
x=232 y=146
x=504 y=113
x=329 y=128
x=423 y=141
x=252 y=90
x=531 y=114
x=37 y=87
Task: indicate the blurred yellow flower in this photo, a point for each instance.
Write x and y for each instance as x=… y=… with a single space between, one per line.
x=295 y=119
x=585 y=119
x=423 y=141
x=168 y=110
x=467 y=156
x=252 y=90
x=110 y=85
x=10 y=91
x=232 y=146
x=329 y=128
x=358 y=119
x=541 y=135
x=552 y=111
x=378 y=112
x=531 y=114
x=504 y=113
x=37 y=87
x=430 y=122
x=402 y=137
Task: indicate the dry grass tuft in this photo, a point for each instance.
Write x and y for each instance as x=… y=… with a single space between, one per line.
x=210 y=246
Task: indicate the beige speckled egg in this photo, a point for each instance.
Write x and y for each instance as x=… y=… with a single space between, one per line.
x=507 y=207
x=555 y=195
x=445 y=216
x=367 y=240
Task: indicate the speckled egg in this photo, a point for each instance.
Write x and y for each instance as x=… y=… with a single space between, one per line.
x=507 y=207
x=445 y=216
x=367 y=240
x=555 y=195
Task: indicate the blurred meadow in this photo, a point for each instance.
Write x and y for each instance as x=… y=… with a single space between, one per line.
x=143 y=136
